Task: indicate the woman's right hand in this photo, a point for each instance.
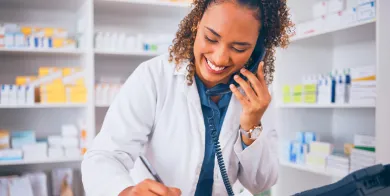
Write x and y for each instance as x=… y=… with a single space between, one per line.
x=152 y=188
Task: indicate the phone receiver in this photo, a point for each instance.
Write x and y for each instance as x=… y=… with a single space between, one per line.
x=258 y=54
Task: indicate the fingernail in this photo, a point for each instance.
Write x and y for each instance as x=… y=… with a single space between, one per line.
x=236 y=77
x=231 y=85
x=243 y=70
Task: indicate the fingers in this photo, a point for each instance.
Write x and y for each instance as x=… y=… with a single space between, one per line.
x=260 y=74
x=246 y=87
x=243 y=100
x=175 y=192
x=156 y=187
x=256 y=85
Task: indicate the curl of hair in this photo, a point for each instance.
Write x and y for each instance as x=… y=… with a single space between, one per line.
x=276 y=26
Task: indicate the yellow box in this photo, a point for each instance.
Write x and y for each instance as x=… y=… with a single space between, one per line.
x=22 y=80
x=44 y=71
x=4 y=139
x=77 y=98
x=52 y=87
x=53 y=98
x=26 y=30
x=75 y=89
x=58 y=42
x=70 y=70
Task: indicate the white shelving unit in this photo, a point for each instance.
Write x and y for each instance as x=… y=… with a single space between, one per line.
x=40 y=161
x=354 y=45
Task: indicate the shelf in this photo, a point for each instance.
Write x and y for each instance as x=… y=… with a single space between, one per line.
x=314 y=170
x=41 y=51
x=116 y=53
x=102 y=105
x=328 y=31
x=141 y=8
x=330 y=106
x=150 y=3
x=65 y=105
x=41 y=4
x=48 y=160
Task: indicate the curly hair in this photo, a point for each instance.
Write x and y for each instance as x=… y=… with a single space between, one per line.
x=276 y=28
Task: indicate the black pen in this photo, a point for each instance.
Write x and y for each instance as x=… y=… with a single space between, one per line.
x=151 y=169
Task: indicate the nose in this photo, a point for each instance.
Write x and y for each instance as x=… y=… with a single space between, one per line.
x=221 y=56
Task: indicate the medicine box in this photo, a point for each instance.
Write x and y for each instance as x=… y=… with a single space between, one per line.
x=4 y=139
x=335 y=6
x=56 y=152
x=11 y=154
x=366 y=11
x=20 y=138
x=321 y=148
x=320 y=9
x=364 y=140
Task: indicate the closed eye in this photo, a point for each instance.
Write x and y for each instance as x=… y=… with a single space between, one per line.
x=210 y=40
x=239 y=51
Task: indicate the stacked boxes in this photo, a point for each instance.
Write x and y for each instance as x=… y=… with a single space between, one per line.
x=299 y=148
x=363 y=85
x=17 y=36
x=51 y=85
x=363 y=153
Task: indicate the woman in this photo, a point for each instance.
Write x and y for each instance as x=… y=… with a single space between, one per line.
x=164 y=109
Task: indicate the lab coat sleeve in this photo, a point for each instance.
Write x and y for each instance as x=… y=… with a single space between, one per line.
x=258 y=168
x=128 y=122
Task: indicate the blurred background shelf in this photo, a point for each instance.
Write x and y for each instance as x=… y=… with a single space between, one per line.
x=116 y=53
x=331 y=30
x=65 y=105
x=166 y=3
x=42 y=51
x=41 y=161
x=314 y=170
x=325 y=106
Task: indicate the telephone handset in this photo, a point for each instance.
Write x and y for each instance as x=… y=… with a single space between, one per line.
x=257 y=55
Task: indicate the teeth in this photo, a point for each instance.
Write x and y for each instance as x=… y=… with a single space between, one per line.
x=213 y=67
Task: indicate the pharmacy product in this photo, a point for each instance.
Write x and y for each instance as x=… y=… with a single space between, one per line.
x=12 y=96
x=19 y=186
x=56 y=152
x=366 y=11
x=21 y=138
x=341 y=87
x=320 y=8
x=38 y=183
x=4 y=139
x=36 y=151
x=59 y=177
x=55 y=141
x=69 y=131
x=348 y=16
x=11 y=154
x=335 y=6
x=2 y=36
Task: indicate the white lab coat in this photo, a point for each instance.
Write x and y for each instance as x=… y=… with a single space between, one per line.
x=156 y=112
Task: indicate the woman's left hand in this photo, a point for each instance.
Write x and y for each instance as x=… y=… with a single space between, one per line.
x=256 y=99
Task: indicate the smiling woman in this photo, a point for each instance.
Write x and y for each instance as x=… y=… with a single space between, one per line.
x=200 y=141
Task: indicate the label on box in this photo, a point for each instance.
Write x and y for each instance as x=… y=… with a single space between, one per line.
x=366 y=11
x=336 y=6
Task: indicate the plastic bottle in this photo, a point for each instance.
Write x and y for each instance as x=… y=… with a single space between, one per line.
x=2 y=32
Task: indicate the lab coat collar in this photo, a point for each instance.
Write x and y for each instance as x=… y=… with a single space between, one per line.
x=232 y=117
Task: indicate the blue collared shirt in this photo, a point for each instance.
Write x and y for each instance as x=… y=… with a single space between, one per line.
x=205 y=183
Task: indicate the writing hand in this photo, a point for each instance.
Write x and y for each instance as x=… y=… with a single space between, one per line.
x=152 y=188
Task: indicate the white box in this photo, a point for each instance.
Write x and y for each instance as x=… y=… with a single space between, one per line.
x=366 y=11
x=11 y=154
x=4 y=93
x=12 y=96
x=21 y=95
x=30 y=95
x=70 y=142
x=364 y=140
x=335 y=6
x=20 y=186
x=348 y=16
x=38 y=183
x=55 y=141
x=9 y=40
x=361 y=2
x=333 y=20
x=69 y=131
x=56 y=152
x=72 y=152
x=320 y=9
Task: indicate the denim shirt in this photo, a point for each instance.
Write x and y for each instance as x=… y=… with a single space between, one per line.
x=205 y=183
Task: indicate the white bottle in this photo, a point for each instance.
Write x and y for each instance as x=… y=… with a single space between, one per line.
x=5 y=88
x=30 y=95
x=340 y=87
x=21 y=95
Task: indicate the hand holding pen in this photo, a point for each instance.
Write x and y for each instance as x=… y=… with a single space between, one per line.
x=150 y=187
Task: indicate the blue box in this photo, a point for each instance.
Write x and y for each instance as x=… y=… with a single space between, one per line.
x=20 y=138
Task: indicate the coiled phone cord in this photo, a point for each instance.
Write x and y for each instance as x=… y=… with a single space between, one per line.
x=218 y=153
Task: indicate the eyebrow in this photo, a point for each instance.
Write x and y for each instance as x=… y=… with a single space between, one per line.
x=236 y=43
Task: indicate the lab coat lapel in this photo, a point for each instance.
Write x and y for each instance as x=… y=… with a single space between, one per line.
x=231 y=122
x=194 y=105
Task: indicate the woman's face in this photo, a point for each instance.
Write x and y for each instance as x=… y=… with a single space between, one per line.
x=225 y=40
